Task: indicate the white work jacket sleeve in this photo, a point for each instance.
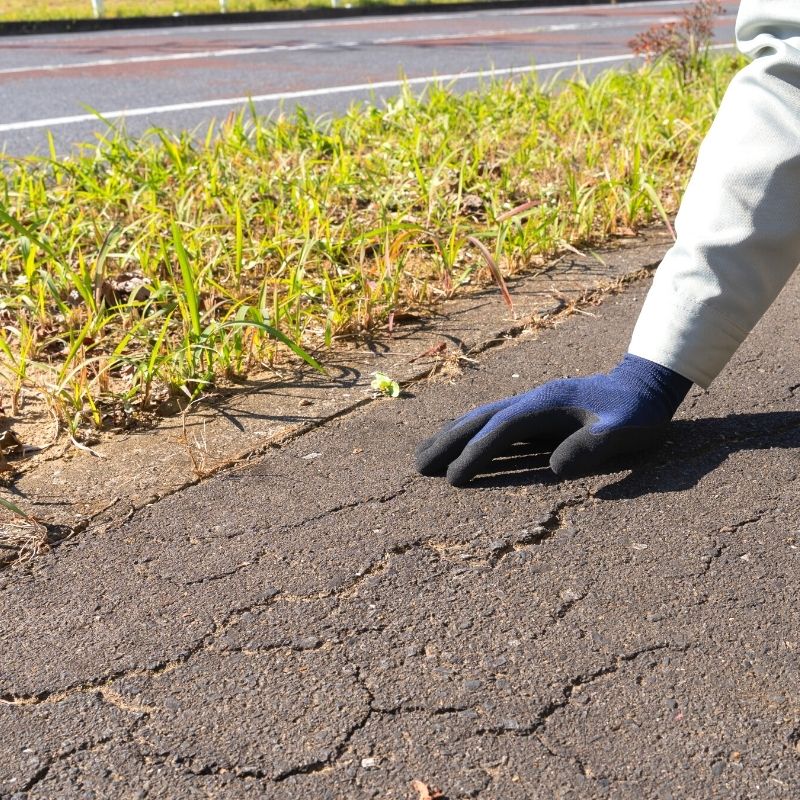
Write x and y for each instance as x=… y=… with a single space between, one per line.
x=738 y=227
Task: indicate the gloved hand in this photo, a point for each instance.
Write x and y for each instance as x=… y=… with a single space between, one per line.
x=594 y=418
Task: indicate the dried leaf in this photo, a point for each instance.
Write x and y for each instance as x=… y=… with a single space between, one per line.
x=425 y=792
x=512 y=212
x=10 y=442
x=494 y=269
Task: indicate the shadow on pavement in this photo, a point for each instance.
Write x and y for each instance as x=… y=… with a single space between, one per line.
x=697 y=447
x=693 y=449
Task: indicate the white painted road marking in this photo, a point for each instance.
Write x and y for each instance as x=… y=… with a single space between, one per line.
x=328 y=90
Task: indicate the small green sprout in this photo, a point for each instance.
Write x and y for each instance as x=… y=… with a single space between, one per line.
x=385 y=385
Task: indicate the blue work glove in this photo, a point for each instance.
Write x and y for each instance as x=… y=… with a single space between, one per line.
x=590 y=419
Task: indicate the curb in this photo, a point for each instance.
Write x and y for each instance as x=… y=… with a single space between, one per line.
x=287 y=15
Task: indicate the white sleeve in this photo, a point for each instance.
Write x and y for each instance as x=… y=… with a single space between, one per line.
x=738 y=227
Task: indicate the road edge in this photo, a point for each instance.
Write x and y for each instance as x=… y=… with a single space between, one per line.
x=32 y=27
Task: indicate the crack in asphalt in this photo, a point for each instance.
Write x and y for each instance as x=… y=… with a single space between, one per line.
x=371 y=710
x=718 y=549
x=569 y=689
x=546 y=528
x=552 y=522
x=44 y=770
x=100 y=684
x=382 y=498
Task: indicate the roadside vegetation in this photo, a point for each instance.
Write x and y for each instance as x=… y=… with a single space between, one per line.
x=143 y=269
x=14 y=10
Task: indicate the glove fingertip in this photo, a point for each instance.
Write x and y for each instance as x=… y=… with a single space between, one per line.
x=459 y=475
x=428 y=463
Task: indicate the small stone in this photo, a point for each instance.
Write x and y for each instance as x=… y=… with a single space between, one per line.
x=473 y=685
x=672 y=704
x=172 y=704
x=717 y=768
x=369 y=763
x=496 y=545
x=308 y=643
x=413 y=650
x=581 y=698
x=443 y=671
x=735 y=757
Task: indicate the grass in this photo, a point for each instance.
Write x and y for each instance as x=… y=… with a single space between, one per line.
x=13 y=10
x=144 y=268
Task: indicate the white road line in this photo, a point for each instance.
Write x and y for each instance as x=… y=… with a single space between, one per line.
x=328 y=90
x=355 y=21
x=323 y=91
x=283 y=48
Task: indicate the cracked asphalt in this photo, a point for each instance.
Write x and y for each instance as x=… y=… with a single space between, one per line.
x=322 y=622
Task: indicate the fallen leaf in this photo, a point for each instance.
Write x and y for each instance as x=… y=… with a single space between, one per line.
x=425 y=792
x=431 y=351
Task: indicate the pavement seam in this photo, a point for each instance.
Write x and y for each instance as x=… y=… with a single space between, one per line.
x=59 y=533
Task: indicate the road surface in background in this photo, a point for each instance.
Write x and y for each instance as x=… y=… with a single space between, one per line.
x=182 y=78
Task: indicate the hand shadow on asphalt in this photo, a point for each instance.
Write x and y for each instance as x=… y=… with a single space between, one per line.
x=693 y=449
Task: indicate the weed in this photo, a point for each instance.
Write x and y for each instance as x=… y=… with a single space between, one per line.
x=141 y=269
x=685 y=43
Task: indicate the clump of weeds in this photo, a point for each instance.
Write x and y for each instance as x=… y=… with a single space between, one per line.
x=685 y=43
x=143 y=269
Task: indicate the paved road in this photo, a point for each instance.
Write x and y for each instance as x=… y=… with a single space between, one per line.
x=182 y=78
x=338 y=626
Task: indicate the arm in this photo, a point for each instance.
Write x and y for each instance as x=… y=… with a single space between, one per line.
x=738 y=242
x=739 y=222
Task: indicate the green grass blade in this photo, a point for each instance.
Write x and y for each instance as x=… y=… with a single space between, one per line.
x=189 y=289
x=276 y=334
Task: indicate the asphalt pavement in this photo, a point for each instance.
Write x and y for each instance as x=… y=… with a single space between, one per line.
x=182 y=78
x=324 y=622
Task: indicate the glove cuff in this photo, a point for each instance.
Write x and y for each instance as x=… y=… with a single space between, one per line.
x=659 y=384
